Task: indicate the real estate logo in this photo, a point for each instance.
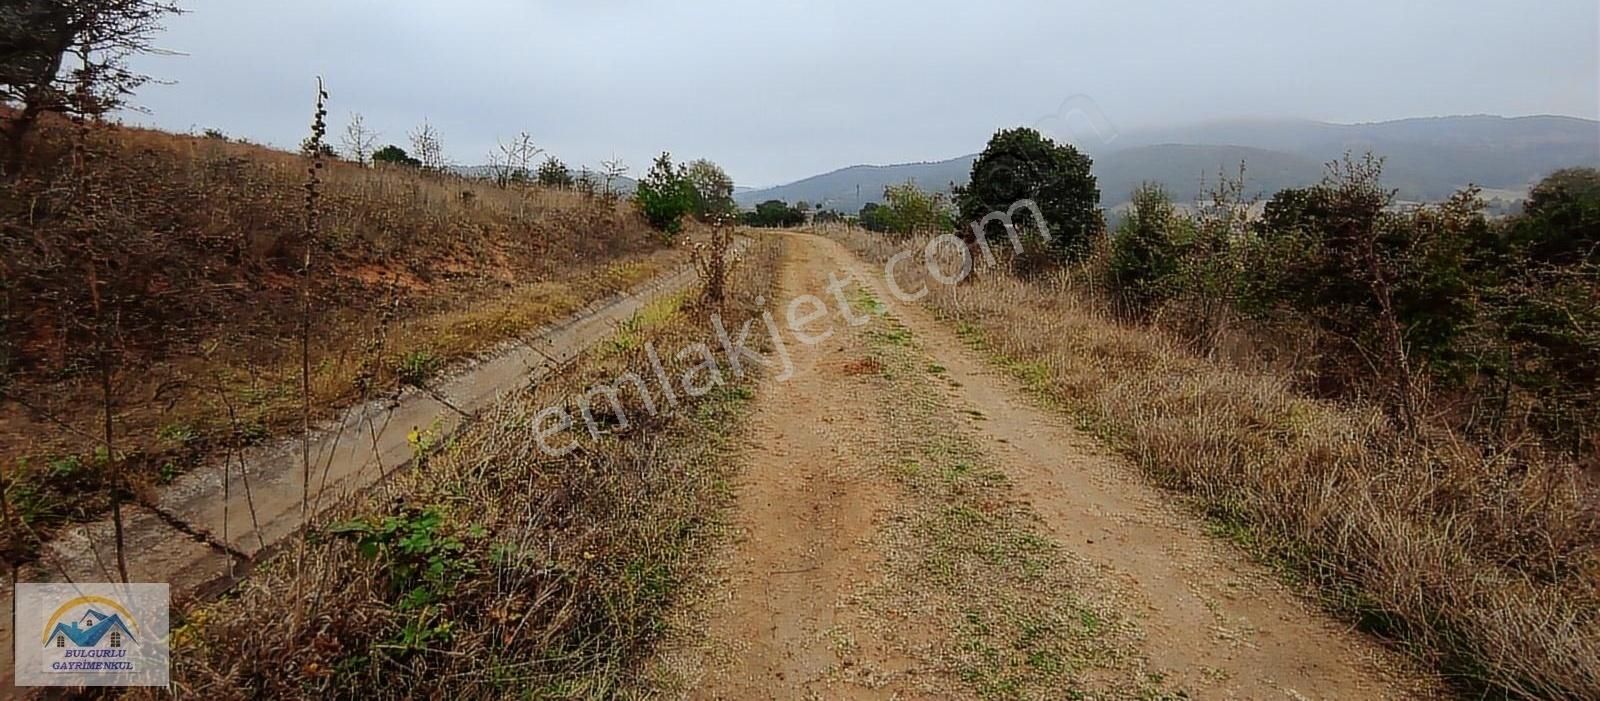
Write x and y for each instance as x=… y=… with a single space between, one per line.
x=96 y=634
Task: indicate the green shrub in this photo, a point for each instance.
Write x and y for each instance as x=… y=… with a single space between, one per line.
x=414 y=369
x=1146 y=254
x=665 y=195
x=909 y=209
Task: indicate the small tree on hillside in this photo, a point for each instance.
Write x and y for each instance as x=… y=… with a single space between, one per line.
x=610 y=172
x=512 y=161
x=554 y=173
x=1145 y=253
x=874 y=217
x=774 y=213
x=665 y=195
x=427 y=147
x=1020 y=164
x=358 y=140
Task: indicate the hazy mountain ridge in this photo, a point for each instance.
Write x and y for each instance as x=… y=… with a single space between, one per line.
x=1426 y=158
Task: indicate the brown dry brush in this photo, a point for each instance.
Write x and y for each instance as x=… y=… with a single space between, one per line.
x=1481 y=562
x=491 y=569
x=712 y=260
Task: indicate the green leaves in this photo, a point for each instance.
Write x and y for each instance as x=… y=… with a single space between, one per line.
x=1020 y=164
x=422 y=560
x=665 y=195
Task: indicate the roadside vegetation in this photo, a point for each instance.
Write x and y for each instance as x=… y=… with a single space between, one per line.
x=1391 y=406
x=493 y=569
x=170 y=300
x=167 y=279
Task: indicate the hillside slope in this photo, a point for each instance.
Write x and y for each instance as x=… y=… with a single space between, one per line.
x=178 y=280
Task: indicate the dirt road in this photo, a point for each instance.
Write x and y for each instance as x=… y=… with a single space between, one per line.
x=910 y=526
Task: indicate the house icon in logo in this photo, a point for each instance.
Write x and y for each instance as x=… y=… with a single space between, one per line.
x=88 y=625
x=89 y=634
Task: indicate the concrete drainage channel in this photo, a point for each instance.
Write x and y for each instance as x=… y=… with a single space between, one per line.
x=207 y=528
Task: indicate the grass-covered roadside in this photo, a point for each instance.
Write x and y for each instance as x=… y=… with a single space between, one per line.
x=492 y=570
x=1491 y=574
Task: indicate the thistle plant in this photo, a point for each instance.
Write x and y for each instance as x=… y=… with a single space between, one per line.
x=713 y=258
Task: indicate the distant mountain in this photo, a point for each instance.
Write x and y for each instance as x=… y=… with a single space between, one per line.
x=847 y=189
x=1188 y=171
x=1425 y=159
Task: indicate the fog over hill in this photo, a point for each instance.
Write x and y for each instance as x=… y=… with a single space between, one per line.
x=1426 y=158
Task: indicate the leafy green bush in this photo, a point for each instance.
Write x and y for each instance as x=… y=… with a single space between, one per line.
x=665 y=195
x=874 y=217
x=1494 y=322
x=1146 y=253
x=1544 y=310
x=911 y=210
x=1389 y=291
x=415 y=368
x=422 y=563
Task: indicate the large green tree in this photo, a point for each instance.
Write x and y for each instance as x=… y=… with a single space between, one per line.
x=713 y=189
x=1020 y=164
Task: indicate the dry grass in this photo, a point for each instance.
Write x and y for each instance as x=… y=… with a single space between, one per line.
x=189 y=241
x=556 y=573
x=1485 y=567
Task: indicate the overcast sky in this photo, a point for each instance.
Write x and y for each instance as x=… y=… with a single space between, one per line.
x=776 y=90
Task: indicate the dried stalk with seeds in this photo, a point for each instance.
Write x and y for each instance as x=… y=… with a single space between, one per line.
x=319 y=129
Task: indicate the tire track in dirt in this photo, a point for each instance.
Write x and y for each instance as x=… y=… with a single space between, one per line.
x=806 y=510
x=1213 y=624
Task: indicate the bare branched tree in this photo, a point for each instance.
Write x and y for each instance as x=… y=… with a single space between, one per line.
x=428 y=147
x=38 y=40
x=359 y=141
x=610 y=171
x=513 y=161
